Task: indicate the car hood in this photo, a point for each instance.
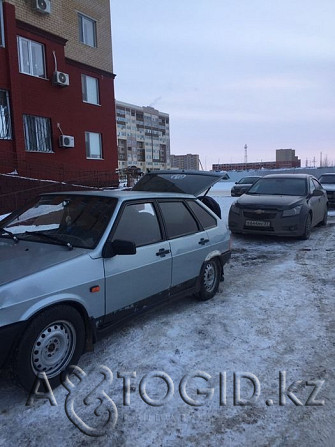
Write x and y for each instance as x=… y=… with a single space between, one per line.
x=269 y=201
x=328 y=187
x=185 y=182
x=25 y=258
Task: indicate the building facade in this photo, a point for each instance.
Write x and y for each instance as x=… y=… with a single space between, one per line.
x=187 y=162
x=57 y=89
x=143 y=137
x=285 y=158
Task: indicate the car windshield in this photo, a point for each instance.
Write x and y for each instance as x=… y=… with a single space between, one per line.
x=247 y=180
x=279 y=186
x=327 y=179
x=64 y=219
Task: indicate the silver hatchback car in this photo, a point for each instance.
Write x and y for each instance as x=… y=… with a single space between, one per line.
x=75 y=263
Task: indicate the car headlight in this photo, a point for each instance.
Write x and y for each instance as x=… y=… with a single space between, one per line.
x=292 y=211
x=235 y=208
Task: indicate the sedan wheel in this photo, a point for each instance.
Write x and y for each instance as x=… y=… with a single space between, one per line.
x=308 y=227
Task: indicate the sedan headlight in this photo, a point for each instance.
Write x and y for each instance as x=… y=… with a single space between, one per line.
x=292 y=211
x=235 y=208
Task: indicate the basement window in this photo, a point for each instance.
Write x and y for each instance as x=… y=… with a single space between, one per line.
x=93 y=145
x=37 y=134
x=5 y=121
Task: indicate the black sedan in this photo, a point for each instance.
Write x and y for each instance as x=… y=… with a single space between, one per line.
x=243 y=185
x=281 y=205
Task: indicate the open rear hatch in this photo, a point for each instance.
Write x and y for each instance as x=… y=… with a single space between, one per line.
x=185 y=182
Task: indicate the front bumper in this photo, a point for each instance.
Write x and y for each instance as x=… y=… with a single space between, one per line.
x=271 y=223
x=8 y=336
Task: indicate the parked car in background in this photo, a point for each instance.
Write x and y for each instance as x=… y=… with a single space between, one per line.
x=243 y=185
x=328 y=183
x=75 y=263
x=280 y=205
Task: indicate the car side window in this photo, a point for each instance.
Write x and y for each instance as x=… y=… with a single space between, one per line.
x=206 y=219
x=178 y=219
x=316 y=184
x=311 y=186
x=138 y=223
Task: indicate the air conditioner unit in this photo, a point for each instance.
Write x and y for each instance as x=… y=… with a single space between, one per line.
x=42 y=6
x=66 y=141
x=60 y=78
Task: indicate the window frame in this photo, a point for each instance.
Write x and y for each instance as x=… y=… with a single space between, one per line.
x=20 y=40
x=81 y=19
x=37 y=135
x=88 y=146
x=84 y=89
x=6 y=117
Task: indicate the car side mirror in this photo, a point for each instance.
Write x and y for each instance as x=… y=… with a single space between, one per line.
x=118 y=247
x=317 y=193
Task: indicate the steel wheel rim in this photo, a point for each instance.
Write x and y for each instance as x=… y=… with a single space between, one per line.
x=53 y=348
x=209 y=277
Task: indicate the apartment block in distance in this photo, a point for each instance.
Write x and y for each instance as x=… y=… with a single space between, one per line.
x=143 y=137
x=187 y=162
x=57 y=90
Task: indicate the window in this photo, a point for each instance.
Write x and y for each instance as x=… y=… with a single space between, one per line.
x=5 y=123
x=87 y=31
x=31 y=57
x=2 y=36
x=138 y=224
x=90 y=89
x=93 y=145
x=206 y=220
x=178 y=219
x=37 y=133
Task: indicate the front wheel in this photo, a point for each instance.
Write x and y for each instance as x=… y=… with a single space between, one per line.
x=308 y=228
x=52 y=342
x=209 y=279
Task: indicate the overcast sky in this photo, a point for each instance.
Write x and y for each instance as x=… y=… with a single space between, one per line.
x=230 y=73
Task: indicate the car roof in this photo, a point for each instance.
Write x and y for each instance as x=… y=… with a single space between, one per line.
x=305 y=176
x=123 y=195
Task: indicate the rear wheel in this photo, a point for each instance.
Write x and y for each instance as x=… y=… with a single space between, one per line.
x=325 y=218
x=52 y=342
x=209 y=279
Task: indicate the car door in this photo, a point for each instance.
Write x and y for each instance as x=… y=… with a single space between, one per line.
x=132 y=278
x=188 y=242
x=317 y=202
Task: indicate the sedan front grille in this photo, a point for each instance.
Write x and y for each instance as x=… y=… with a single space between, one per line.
x=264 y=215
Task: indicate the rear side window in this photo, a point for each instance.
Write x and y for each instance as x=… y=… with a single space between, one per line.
x=178 y=219
x=206 y=219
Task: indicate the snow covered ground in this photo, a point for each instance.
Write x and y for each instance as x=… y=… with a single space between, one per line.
x=272 y=321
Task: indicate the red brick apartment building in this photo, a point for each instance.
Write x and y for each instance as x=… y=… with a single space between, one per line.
x=57 y=106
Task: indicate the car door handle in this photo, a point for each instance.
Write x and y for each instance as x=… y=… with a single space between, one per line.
x=203 y=241
x=162 y=252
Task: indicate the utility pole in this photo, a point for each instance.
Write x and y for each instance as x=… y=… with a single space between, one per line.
x=245 y=154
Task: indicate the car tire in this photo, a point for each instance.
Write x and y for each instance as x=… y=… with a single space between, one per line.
x=307 y=227
x=325 y=219
x=209 y=279
x=52 y=342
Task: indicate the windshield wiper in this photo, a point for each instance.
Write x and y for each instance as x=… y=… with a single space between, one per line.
x=12 y=235
x=51 y=238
